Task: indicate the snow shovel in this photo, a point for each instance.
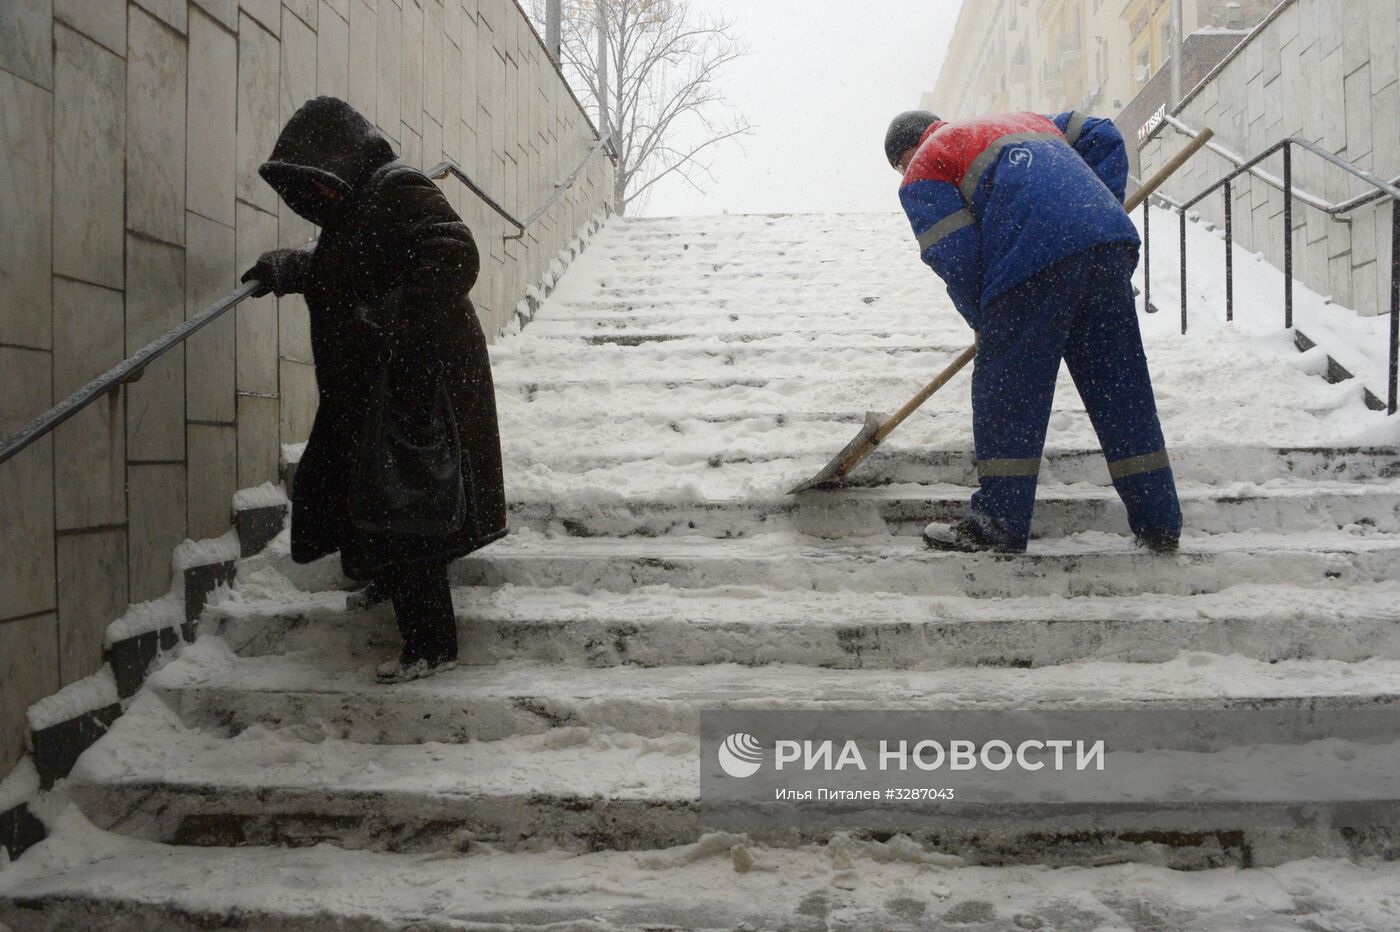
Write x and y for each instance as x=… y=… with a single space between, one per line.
x=877 y=428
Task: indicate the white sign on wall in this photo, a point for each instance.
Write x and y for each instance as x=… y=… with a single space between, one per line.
x=1152 y=123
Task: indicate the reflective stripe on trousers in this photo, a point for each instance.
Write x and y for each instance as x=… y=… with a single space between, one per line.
x=1008 y=469
x=1137 y=465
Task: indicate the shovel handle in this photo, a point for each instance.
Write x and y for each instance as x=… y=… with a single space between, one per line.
x=1167 y=170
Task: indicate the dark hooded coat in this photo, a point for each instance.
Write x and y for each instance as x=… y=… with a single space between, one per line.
x=388 y=280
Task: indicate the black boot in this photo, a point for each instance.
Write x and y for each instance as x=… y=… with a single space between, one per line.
x=427 y=623
x=965 y=537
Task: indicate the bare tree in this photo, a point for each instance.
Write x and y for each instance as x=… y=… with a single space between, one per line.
x=649 y=68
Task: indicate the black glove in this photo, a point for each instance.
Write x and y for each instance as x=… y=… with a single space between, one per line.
x=280 y=271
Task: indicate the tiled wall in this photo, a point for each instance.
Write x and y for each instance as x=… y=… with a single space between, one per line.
x=130 y=135
x=1325 y=70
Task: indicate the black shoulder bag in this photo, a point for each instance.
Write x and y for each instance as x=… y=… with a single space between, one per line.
x=408 y=469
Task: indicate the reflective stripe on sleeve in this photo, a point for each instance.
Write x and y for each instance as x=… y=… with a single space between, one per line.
x=1137 y=465
x=1008 y=469
x=968 y=187
x=945 y=228
x=1075 y=128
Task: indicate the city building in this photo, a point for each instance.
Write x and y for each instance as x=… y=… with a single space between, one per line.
x=1054 y=55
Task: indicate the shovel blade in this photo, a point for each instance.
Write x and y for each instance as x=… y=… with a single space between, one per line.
x=832 y=473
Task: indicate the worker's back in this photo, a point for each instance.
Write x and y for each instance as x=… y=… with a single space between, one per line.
x=997 y=199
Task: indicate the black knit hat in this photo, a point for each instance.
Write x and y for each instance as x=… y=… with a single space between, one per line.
x=905 y=132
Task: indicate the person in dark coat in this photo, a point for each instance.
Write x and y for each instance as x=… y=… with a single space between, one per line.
x=386 y=285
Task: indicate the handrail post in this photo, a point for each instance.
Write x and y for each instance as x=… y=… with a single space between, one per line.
x=1183 y=272
x=1287 y=236
x=1394 y=299
x=1147 y=255
x=553 y=18
x=1229 y=254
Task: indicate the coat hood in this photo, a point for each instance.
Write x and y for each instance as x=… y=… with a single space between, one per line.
x=326 y=140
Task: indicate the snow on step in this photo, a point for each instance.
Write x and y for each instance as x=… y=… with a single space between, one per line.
x=660 y=626
x=838 y=327
x=155 y=778
x=906 y=509
x=676 y=347
x=216 y=690
x=660 y=460
x=1087 y=564
x=731 y=431
x=728 y=280
x=84 y=877
x=589 y=789
x=674 y=460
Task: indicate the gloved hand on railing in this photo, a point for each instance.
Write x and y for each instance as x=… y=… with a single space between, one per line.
x=280 y=271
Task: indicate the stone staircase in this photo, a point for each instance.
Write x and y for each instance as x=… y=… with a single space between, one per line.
x=679 y=380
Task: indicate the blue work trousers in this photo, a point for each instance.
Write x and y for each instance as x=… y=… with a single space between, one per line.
x=1080 y=310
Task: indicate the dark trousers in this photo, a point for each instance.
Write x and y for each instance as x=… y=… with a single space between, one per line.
x=422 y=600
x=1082 y=311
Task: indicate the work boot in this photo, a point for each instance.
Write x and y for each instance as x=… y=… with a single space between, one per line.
x=1158 y=544
x=965 y=537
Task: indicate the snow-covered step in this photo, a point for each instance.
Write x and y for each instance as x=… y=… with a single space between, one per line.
x=906 y=509
x=682 y=390
x=669 y=354
x=85 y=878
x=685 y=476
x=593 y=320
x=739 y=289
x=697 y=277
x=218 y=692
x=670 y=359
x=618 y=413
x=1087 y=564
x=675 y=340
x=660 y=442
x=841 y=630
x=153 y=777
x=860 y=312
x=601 y=419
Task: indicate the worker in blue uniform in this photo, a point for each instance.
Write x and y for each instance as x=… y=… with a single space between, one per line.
x=1022 y=217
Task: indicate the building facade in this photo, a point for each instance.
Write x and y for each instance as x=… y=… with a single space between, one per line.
x=1055 y=55
x=1328 y=72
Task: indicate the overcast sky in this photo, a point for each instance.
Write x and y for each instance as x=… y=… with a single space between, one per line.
x=821 y=82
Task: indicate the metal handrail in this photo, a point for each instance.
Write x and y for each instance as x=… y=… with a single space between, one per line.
x=131 y=369
x=562 y=186
x=1312 y=200
x=449 y=167
x=128 y=370
x=1240 y=163
x=1382 y=189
